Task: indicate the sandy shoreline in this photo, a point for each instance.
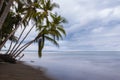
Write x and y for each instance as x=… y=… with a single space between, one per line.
x=20 y=71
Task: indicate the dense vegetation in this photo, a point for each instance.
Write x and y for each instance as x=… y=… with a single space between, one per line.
x=15 y=14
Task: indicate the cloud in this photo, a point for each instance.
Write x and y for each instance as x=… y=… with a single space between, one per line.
x=92 y=25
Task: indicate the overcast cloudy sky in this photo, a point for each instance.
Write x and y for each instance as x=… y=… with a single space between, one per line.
x=92 y=25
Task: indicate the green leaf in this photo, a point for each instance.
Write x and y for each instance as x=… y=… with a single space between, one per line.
x=40 y=46
x=61 y=30
x=52 y=40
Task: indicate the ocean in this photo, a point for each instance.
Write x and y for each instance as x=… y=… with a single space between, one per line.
x=77 y=65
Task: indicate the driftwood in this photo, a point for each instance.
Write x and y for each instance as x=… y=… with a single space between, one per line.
x=7 y=58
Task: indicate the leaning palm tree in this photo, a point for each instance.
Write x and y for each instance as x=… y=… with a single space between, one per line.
x=47 y=23
x=49 y=27
x=4 y=11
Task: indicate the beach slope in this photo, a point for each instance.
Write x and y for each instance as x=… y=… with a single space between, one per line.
x=20 y=71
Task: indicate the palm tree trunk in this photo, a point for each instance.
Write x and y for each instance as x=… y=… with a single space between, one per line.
x=9 y=47
x=8 y=37
x=17 y=26
x=17 y=41
x=20 y=57
x=22 y=40
x=23 y=48
x=5 y=13
x=1 y=4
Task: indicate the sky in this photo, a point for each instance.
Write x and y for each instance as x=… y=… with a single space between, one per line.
x=93 y=25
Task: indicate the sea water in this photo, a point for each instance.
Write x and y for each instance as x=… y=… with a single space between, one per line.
x=78 y=65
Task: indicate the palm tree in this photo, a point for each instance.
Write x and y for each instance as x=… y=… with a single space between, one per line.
x=5 y=12
x=51 y=30
x=1 y=4
x=48 y=24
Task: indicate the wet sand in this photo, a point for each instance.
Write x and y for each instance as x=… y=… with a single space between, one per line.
x=21 y=71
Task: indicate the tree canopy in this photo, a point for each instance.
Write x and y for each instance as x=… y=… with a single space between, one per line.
x=16 y=13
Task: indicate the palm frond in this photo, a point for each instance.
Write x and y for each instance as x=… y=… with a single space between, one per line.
x=52 y=40
x=61 y=30
x=56 y=34
x=41 y=45
x=13 y=38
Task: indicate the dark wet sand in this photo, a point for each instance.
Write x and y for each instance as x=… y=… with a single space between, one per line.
x=21 y=71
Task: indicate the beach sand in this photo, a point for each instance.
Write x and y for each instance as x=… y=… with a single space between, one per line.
x=21 y=71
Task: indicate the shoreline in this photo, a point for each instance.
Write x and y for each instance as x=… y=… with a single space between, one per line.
x=21 y=71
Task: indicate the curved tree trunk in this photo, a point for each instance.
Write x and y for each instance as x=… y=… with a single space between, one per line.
x=17 y=41
x=1 y=4
x=9 y=47
x=17 y=26
x=17 y=47
x=8 y=37
x=5 y=13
